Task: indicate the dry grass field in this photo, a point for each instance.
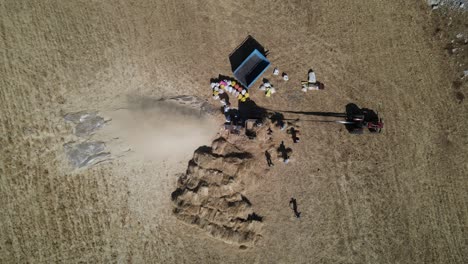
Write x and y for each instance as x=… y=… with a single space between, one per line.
x=397 y=197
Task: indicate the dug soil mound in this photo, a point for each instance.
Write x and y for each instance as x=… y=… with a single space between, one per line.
x=211 y=194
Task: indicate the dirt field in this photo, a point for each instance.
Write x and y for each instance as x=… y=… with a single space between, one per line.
x=396 y=197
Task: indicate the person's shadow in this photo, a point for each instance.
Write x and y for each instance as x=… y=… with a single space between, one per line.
x=294 y=133
x=268 y=158
x=284 y=152
x=278 y=119
x=250 y=110
x=293 y=202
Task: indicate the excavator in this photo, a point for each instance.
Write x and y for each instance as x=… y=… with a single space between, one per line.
x=356 y=120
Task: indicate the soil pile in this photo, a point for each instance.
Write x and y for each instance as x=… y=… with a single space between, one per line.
x=211 y=193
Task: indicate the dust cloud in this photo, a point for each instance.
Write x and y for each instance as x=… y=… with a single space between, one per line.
x=159 y=129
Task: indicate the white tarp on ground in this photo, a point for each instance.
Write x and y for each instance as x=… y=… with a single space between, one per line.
x=86 y=153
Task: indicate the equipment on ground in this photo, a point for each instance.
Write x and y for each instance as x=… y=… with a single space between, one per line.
x=364 y=118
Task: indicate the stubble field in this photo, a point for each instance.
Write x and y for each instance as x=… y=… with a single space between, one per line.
x=397 y=197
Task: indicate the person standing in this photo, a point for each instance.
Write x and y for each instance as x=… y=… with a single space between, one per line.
x=293 y=202
x=268 y=158
x=294 y=133
x=284 y=152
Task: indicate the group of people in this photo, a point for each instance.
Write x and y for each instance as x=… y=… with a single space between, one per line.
x=277 y=119
x=284 y=152
x=221 y=89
